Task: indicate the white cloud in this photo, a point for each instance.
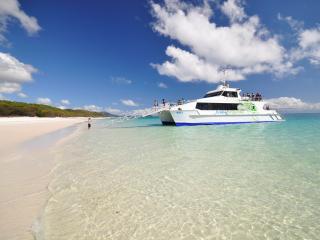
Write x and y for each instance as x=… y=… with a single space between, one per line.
x=129 y=102
x=45 y=101
x=309 y=42
x=309 y=37
x=12 y=70
x=293 y=104
x=13 y=73
x=162 y=85
x=140 y=112
x=65 y=102
x=293 y=23
x=61 y=107
x=11 y=9
x=7 y=87
x=22 y=95
x=188 y=67
x=120 y=80
x=233 y=10
x=245 y=46
x=92 y=108
x=113 y=110
x=95 y=108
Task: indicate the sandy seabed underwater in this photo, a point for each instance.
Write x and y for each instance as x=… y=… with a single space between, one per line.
x=139 y=180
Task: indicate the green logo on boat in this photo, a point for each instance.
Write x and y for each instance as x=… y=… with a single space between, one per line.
x=248 y=106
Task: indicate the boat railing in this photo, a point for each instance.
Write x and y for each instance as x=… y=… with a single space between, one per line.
x=252 y=98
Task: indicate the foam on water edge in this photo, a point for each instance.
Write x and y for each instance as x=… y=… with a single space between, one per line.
x=44 y=148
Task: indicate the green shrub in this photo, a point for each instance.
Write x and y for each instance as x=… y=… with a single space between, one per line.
x=10 y=108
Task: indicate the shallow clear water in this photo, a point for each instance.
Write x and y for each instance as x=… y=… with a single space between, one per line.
x=140 y=180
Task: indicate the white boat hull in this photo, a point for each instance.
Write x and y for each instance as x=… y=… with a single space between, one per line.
x=194 y=117
x=166 y=118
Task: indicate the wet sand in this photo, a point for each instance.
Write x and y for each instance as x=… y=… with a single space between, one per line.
x=25 y=167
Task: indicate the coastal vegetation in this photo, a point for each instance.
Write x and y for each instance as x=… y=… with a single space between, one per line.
x=11 y=109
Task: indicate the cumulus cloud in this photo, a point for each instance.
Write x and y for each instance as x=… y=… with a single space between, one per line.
x=62 y=107
x=140 y=112
x=293 y=23
x=129 y=102
x=186 y=67
x=293 y=104
x=234 y=10
x=22 y=95
x=162 y=85
x=120 y=80
x=10 y=9
x=65 y=102
x=244 y=47
x=309 y=43
x=113 y=110
x=7 y=87
x=95 y=108
x=309 y=37
x=45 y=101
x=13 y=73
x=12 y=70
x=92 y=108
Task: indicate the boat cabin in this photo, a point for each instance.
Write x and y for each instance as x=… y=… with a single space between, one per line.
x=232 y=93
x=225 y=91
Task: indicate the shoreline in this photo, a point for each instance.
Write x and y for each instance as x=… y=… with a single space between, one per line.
x=27 y=161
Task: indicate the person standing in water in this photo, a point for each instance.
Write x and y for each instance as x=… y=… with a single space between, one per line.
x=89 y=123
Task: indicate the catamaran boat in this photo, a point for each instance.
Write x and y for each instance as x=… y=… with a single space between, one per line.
x=224 y=105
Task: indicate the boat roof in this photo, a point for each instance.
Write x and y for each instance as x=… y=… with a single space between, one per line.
x=224 y=87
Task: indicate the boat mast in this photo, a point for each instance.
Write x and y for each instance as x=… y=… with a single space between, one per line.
x=224 y=81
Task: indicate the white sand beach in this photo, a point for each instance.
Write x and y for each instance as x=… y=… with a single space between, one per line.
x=24 y=176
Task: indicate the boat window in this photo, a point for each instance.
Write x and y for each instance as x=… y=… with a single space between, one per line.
x=266 y=107
x=217 y=106
x=213 y=94
x=230 y=94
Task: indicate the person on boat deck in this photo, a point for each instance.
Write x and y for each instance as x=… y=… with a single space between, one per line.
x=163 y=102
x=89 y=123
x=258 y=97
x=252 y=96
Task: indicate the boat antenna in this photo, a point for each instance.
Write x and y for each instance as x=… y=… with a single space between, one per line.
x=224 y=70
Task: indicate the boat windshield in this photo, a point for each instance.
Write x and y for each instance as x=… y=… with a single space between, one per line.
x=213 y=94
x=230 y=94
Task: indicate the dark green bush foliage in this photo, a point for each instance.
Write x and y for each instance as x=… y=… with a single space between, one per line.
x=9 y=108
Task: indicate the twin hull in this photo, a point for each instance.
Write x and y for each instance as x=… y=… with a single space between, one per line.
x=193 y=117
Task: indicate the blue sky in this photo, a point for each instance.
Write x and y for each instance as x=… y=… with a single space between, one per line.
x=111 y=55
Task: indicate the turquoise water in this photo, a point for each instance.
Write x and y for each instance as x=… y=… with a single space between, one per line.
x=140 y=180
